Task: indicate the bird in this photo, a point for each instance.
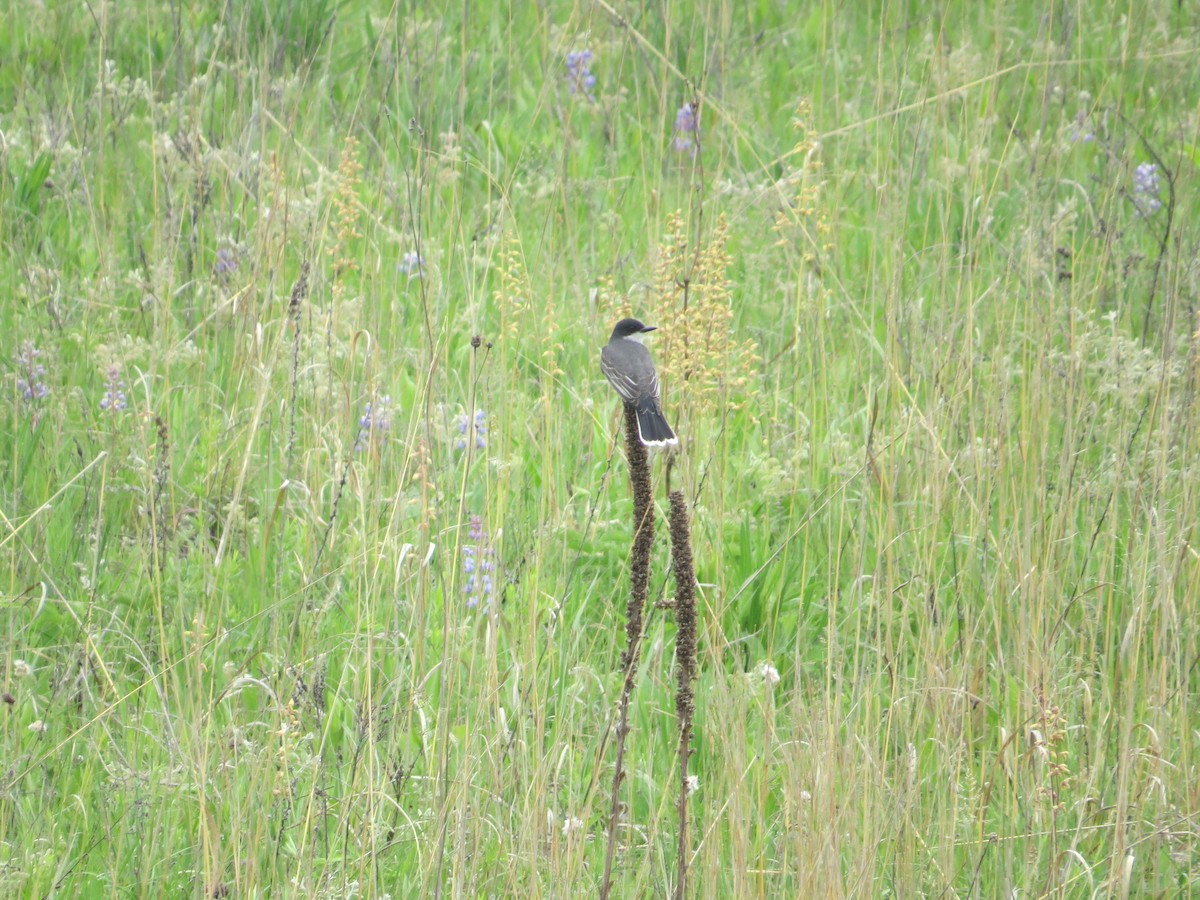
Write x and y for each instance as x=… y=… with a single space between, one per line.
x=626 y=364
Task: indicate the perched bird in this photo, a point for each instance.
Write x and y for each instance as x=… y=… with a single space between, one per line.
x=627 y=366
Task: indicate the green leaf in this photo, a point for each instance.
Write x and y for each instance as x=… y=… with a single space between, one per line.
x=34 y=181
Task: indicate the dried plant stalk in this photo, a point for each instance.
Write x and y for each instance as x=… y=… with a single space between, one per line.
x=639 y=570
x=685 y=665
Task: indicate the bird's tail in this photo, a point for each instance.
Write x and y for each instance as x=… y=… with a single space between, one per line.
x=652 y=426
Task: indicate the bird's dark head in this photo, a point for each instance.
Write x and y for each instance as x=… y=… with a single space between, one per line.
x=629 y=327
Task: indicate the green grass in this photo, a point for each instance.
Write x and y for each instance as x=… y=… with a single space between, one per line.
x=947 y=490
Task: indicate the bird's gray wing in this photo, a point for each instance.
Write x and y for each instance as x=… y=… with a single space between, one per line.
x=623 y=384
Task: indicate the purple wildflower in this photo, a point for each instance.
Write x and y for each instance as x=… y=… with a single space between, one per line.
x=226 y=263
x=479 y=428
x=479 y=562
x=687 y=129
x=1081 y=129
x=580 y=79
x=1146 y=190
x=375 y=423
x=31 y=374
x=114 y=400
x=412 y=265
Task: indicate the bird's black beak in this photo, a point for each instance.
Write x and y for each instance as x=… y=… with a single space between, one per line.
x=646 y=328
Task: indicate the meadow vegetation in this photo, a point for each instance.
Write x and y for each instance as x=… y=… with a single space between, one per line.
x=315 y=520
